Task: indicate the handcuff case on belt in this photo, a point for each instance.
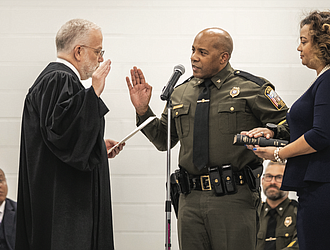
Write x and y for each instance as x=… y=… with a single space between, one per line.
x=252 y=177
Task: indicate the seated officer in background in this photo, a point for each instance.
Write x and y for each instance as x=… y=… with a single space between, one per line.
x=218 y=201
x=7 y=216
x=278 y=214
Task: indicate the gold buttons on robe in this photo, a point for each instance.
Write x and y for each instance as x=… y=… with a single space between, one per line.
x=232 y=109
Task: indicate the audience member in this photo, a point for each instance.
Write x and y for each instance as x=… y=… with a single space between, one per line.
x=7 y=216
x=278 y=215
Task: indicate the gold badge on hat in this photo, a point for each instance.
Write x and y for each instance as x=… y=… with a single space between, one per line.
x=234 y=91
x=288 y=221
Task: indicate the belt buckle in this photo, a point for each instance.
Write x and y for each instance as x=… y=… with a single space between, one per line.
x=207 y=178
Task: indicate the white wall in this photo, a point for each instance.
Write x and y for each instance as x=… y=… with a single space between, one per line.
x=156 y=36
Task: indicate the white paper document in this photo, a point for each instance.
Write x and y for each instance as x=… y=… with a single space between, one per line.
x=145 y=123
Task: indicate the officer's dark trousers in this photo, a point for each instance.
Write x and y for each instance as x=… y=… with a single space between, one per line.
x=209 y=222
x=313 y=218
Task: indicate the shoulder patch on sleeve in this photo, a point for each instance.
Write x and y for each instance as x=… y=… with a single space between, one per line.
x=184 y=81
x=250 y=77
x=274 y=98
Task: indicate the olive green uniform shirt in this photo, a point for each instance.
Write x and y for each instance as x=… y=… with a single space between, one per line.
x=238 y=102
x=286 y=231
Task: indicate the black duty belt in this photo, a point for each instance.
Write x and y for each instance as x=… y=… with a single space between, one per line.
x=222 y=180
x=203 y=182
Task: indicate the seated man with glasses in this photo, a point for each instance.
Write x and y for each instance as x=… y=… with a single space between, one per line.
x=278 y=214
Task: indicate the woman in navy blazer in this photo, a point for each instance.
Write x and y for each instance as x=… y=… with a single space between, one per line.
x=308 y=153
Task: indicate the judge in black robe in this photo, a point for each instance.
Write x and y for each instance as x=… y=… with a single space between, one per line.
x=64 y=199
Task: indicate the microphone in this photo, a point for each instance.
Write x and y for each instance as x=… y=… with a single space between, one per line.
x=168 y=89
x=261 y=141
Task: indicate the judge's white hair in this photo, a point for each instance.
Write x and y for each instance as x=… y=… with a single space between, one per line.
x=72 y=33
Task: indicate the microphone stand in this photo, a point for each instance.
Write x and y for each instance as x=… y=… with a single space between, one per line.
x=166 y=96
x=168 y=181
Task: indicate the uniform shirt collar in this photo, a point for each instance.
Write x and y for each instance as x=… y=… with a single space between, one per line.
x=73 y=68
x=280 y=208
x=218 y=79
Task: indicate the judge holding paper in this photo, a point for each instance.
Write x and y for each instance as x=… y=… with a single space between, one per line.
x=64 y=200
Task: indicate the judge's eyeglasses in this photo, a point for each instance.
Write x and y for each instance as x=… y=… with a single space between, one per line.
x=269 y=177
x=97 y=51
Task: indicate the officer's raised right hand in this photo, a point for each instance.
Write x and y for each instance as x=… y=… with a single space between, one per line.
x=139 y=91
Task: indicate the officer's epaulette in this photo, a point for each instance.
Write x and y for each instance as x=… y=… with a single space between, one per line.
x=250 y=77
x=184 y=81
x=294 y=203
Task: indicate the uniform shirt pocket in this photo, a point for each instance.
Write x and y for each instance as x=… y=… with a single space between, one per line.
x=181 y=117
x=285 y=233
x=284 y=236
x=231 y=116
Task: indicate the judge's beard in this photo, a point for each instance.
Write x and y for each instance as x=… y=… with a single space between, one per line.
x=274 y=195
x=89 y=68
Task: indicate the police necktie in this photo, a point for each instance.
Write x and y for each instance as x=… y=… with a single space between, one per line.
x=201 y=127
x=270 y=243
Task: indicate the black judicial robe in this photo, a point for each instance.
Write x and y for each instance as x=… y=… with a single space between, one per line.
x=64 y=197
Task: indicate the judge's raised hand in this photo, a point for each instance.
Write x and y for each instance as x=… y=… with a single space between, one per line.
x=139 y=91
x=98 y=77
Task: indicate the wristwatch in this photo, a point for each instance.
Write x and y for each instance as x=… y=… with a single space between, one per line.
x=272 y=127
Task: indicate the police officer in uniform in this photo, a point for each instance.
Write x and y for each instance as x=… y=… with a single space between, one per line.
x=218 y=203
x=278 y=214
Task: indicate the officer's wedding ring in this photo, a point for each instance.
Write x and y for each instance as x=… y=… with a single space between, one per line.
x=262 y=133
